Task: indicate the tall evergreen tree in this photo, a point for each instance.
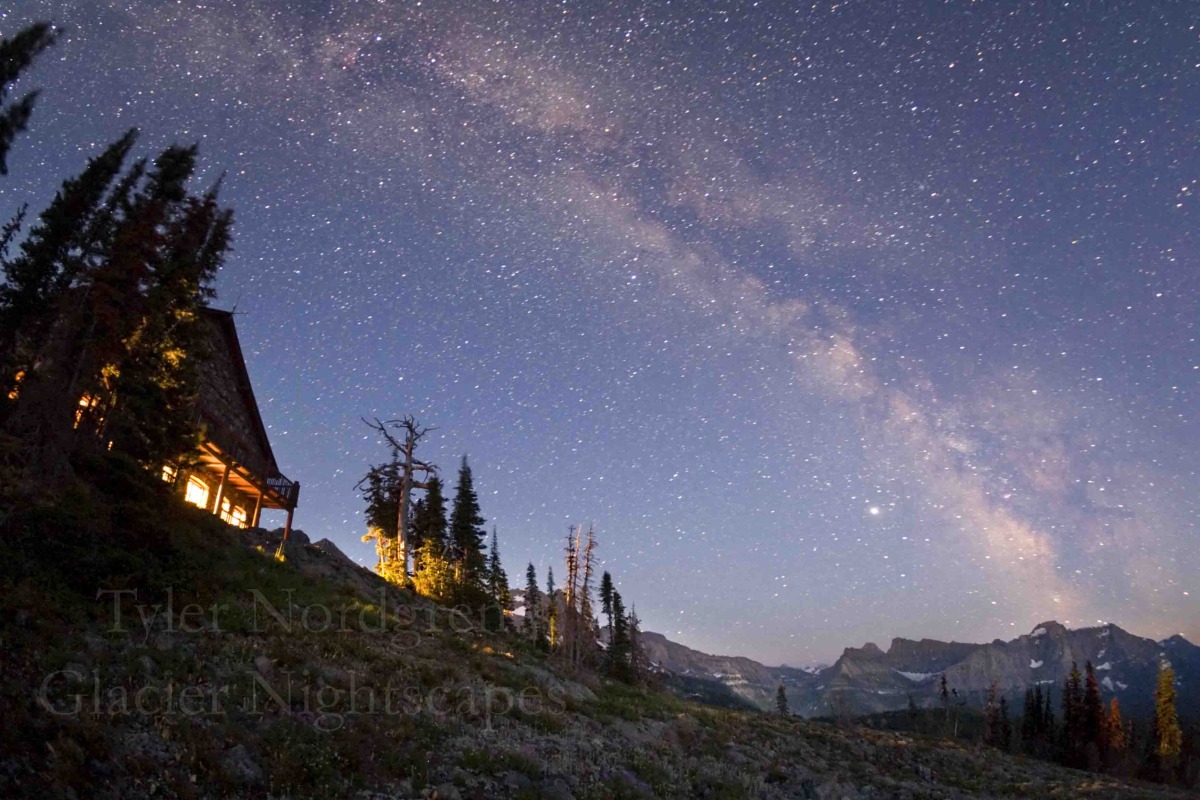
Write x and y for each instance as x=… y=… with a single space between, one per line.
x=124 y=336
x=781 y=702
x=1093 y=738
x=467 y=538
x=1168 y=735
x=618 y=646
x=551 y=609
x=534 y=626
x=991 y=717
x=497 y=579
x=16 y=54
x=1115 y=728
x=1030 y=719
x=1048 y=723
x=50 y=261
x=606 y=593
x=638 y=666
x=429 y=519
x=1072 y=709
x=1005 y=726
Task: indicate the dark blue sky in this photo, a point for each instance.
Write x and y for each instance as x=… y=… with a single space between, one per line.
x=841 y=321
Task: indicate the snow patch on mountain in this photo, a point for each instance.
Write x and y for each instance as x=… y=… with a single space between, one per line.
x=1034 y=663
x=917 y=677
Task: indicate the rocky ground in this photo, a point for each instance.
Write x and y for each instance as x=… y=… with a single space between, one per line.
x=255 y=676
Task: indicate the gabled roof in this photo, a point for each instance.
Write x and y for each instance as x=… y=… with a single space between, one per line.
x=227 y=347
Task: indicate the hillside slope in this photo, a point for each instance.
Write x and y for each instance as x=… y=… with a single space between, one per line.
x=205 y=667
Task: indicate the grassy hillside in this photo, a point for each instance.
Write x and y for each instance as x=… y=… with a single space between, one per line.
x=151 y=651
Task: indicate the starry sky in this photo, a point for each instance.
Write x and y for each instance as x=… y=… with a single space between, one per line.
x=841 y=321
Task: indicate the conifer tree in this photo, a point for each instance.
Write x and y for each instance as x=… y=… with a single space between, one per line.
x=944 y=694
x=1168 y=735
x=551 y=610
x=467 y=539
x=434 y=577
x=429 y=520
x=1115 y=728
x=638 y=667
x=499 y=594
x=991 y=717
x=1093 y=714
x=124 y=330
x=16 y=54
x=1072 y=708
x=606 y=592
x=533 y=626
x=50 y=260
x=781 y=702
x=1005 y=725
x=1030 y=719
x=618 y=646
x=1048 y=722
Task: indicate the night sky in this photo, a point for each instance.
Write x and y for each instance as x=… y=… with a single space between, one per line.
x=841 y=321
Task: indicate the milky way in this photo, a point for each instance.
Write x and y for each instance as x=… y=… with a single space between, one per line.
x=841 y=321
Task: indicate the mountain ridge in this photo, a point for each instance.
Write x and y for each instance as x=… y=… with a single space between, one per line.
x=868 y=679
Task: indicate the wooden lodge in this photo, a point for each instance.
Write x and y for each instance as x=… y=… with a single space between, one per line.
x=234 y=474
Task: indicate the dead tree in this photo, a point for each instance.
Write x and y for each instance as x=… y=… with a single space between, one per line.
x=570 y=621
x=394 y=550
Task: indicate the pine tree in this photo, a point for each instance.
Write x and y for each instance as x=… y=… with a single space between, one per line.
x=551 y=610
x=467 y=539
x=1005 y=726
x=781 y=702
x=991 y=718
x=1030 y=719
x=499 y=594
x=618 y=646
x=1168 y=735
x=124 y=332
x=1115 y=727
x=1048 y=722
x=638 y=667
x=944 y=694
x=16 y=54
x=155 y=384
x=534 y=627
x=50 y=260
x=1093 y=717
x=434 y=578
x=1072 y=708
x=380 y=489
x=429 y=520
x=606 y=591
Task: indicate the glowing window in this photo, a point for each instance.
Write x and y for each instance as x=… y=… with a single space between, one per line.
x=15 y=391
x=169 y=473
x=238 y=517
x=223 y=511
x=196 y=492
x=87 y=404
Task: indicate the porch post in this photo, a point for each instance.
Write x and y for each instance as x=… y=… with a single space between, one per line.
x=257 y=510
x=216 y=509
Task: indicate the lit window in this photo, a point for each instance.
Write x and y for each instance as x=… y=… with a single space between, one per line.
x=238 y=517
x=223 y=511
x=87 y=403
x=196 y=492
x=15 y=391
x=169 y=473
